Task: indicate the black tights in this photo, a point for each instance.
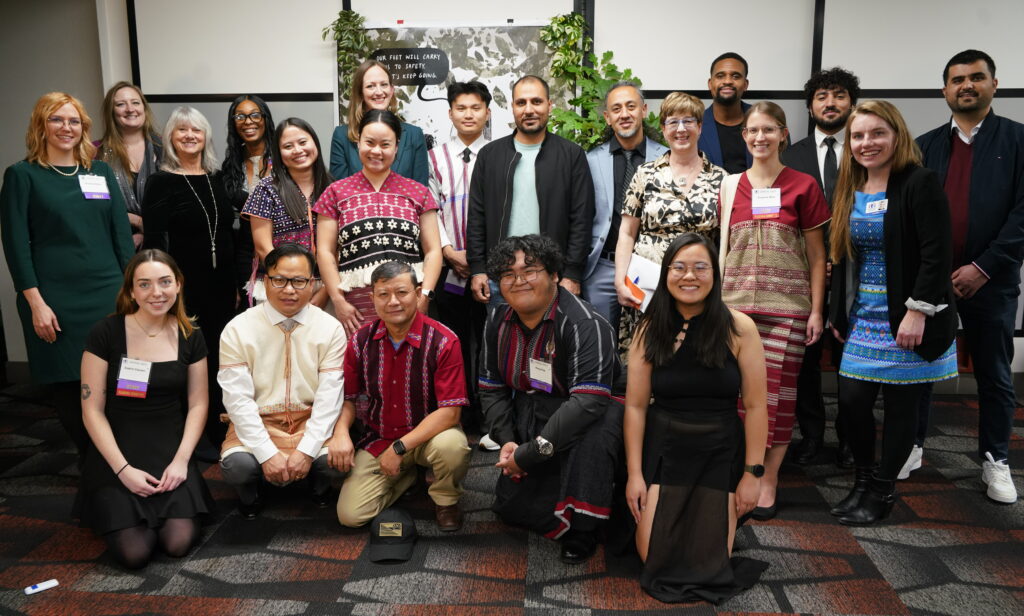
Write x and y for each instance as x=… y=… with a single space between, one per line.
x=133 y=547
x=66 y=399
x=899 y=424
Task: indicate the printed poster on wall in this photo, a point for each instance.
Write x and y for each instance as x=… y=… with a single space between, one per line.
x=423 y=59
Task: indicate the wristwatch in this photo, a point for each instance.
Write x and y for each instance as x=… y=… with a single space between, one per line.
x=427 y=293
x=757 y=470
x=399 y=447
x=544 y=446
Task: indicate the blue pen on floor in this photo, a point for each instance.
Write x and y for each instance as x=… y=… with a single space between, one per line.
x=41 y=586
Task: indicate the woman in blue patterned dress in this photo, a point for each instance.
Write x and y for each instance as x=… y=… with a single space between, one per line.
x=892 y=300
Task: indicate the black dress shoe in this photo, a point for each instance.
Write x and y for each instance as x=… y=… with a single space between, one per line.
x=764 y=513
x=809 y=449
x=323 y=500
x=578 y=547
x=251 y=510
x=844 y=456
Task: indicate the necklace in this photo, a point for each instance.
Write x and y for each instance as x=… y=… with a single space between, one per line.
x=683 y=181
x=212 y=229
x=136 y=319
x=67 y=175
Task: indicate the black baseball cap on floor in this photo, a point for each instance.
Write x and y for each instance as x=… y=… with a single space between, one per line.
x=392 y=535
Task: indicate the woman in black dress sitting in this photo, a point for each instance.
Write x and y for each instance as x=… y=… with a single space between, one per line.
x=140 y=487
x=694 y=466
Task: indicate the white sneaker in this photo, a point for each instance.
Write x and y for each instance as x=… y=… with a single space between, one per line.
x=488 y=444
x=996 y=475
x=913 y=462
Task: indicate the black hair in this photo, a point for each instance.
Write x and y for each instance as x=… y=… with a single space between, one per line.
x=294 y=201
x=384 y=117
x=661 y=322
x=236 y=154
x=835 y=78
x=392 y=269
x=540 y=80
x=536 y=249
x=476 y=88
x=731 y=55
x=289 y=250
x=969 y=56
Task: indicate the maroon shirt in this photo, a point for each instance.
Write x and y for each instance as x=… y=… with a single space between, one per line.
x=405 y=385
x=958 y=191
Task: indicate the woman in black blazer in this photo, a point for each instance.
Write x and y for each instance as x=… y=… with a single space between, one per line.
x=892 y=299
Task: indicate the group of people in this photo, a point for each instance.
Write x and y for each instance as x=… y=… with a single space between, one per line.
x=645 y=319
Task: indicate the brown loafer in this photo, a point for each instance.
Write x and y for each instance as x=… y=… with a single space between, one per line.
x=449 y=518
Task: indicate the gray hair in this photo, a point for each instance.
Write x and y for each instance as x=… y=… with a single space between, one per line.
x=625 y=83
x=393 y=269
x=192 y=117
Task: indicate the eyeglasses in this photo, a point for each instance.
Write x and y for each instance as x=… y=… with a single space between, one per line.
x=673 y=123
x=255 y=116
x=56 y=122
x=768 y=131
x=509 y=278
x=700 y=269
x=280 y=282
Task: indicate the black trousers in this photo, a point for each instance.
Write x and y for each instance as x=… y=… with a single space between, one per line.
x=899 y=424
x=810 y=405
x=465 y=316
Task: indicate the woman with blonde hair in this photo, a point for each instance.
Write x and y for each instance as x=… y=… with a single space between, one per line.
x=66 y=239
x=773 y=270
x=372 y=88
x=676 y=193
x=131 y=145
x=892 y=297
x=140 y=486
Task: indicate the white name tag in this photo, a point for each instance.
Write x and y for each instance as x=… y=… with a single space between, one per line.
x=94 y=186
x=453 y=284
x=133 y=378
x=541 y=375
x=766 y=202
x=874 y=207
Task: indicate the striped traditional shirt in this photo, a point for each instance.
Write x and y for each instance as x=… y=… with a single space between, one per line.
x=406 y=384
x=449 y=182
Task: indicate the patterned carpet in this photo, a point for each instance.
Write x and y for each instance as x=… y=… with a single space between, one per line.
x=945 y=550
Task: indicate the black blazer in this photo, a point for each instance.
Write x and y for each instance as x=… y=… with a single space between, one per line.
x=803 y=156
x=918 y=260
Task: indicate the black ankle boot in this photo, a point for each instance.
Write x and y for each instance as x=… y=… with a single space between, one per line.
x=875 y=505
x=860 y=485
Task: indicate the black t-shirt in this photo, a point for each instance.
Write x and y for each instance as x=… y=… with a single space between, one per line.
x=734 y=150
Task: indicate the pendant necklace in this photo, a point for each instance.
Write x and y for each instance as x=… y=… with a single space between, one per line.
x=212 y=229
x=149 y=335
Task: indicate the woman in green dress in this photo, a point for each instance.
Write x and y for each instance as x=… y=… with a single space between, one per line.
x=66 y=239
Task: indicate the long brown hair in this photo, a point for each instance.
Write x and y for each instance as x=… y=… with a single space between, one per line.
x=35 y=137
x=355 y=99
x=127 y=305
x=112 y=142
x=852 y=175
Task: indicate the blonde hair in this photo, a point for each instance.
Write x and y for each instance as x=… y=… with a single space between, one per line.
x=355 y=99
x=35 y=137
x=112 y=142
x=191 y=116
x=682 y=103
x=852 y=175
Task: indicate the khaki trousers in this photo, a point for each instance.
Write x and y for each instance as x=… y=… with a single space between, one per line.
x=367 y=491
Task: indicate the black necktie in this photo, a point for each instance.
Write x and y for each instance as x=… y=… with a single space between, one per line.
x=831 y=168
x=628 y=170
x=466 y=154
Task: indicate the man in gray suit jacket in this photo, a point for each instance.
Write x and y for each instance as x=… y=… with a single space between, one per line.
x=612 y=165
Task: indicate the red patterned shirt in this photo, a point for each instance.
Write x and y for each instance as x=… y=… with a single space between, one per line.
x=405 y=385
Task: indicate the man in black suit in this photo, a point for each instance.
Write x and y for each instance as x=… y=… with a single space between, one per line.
x=830 y=95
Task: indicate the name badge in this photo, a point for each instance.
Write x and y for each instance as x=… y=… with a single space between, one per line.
x=766 y=202
x=541 y=375
x=94 y=186
x=453 y=284
x=133 y=378
x=874 y=207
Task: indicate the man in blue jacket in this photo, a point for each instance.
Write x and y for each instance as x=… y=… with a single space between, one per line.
x=721 y=138
x=612 y=165
x=979 y=156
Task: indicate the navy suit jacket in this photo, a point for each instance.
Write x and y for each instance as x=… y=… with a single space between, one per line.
x=709 y=143
x=602 y=171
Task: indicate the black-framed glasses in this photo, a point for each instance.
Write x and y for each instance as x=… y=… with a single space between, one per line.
x=280 y=282
x=509 y=278
x=255 y=116
x=700 y=269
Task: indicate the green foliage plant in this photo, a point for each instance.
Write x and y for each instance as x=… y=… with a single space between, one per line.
x=348 y=32
x=587 y=82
